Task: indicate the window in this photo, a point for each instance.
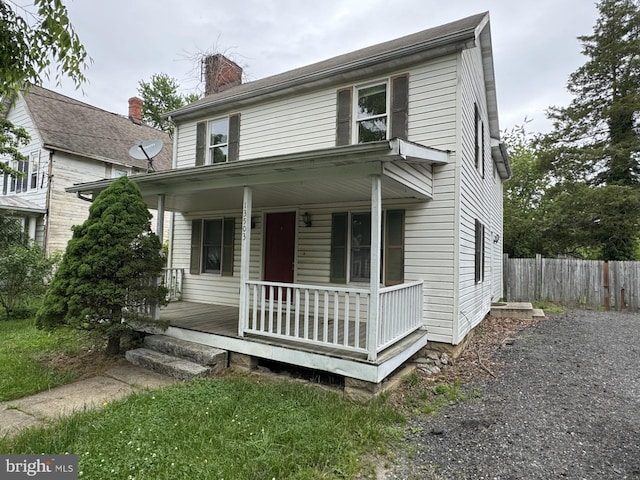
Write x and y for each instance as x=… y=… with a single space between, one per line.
x=19 y=184
x=218 y=140
x=371 y=113
x=119 y=172
x=212 y=246
x=351 y=247
x=35 y=167
x=479 y=252
x=479 y=134
x=360 y=251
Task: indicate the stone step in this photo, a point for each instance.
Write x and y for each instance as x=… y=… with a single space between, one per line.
x=212 y=357
x=166 y=364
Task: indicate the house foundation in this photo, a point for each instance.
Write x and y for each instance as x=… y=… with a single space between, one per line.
x=241 y=361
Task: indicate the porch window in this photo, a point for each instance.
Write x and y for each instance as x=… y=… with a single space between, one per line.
x=351 y=247
x=212 y=246
x=479 y=252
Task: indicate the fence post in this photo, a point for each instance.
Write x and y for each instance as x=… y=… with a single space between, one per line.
x=538 y=287
x=605 y=284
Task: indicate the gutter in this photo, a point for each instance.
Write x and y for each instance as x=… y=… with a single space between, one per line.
x=388 y=60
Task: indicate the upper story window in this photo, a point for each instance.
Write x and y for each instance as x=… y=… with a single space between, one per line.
x=479 y=134
x=119 y=172
x=371 y=113
x=19 y=184
x=35 y=169
x=218 y=140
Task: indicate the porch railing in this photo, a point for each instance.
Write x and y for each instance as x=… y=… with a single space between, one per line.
x=401 y=312
x=173 y=282
x=329 y=316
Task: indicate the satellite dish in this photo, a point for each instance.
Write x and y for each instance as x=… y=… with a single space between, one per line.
x=146 y=150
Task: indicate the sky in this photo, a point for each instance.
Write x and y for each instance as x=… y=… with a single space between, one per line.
x=535 y=43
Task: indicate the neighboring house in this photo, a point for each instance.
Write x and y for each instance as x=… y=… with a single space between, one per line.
x=339 y=215
x=71 y=142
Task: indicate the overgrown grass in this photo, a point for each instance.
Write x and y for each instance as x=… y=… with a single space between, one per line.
x=549 y=307
x=231 y=428
x=422 y=398
x=22 y=347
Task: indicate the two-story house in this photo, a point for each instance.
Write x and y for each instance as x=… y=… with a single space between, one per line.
x=339 y=215
x=71 y=142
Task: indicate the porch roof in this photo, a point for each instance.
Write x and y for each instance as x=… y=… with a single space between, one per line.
x=17 y=204
x=317 y=176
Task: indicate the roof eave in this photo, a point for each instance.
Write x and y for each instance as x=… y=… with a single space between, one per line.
x=388 y=150
x=385 y=61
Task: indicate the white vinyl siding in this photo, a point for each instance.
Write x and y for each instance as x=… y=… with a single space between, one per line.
x=439 y=232
x=479 y=199
x=307 y=122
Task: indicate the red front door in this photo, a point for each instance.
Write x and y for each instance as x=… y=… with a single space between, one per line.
x=279 y=246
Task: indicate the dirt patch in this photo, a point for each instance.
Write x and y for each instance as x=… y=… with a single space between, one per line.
x=84 y=364
x=477 y=361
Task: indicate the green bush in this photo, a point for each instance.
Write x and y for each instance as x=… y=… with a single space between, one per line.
x=24 y=267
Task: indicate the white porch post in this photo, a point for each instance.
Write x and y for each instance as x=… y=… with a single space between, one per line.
x=244 y=259
x=32 y=228
x=376 y=236
x=160 y=234
x=160 y=218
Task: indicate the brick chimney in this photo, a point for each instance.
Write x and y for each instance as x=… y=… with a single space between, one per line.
x=220 y=73
x=135 y=110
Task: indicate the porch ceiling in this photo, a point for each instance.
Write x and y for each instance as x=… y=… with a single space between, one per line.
x=339 y=174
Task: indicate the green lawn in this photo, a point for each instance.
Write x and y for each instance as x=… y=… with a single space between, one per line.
x=22 y=350
x=231 y=428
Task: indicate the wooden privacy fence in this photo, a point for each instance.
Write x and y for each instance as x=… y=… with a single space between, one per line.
x=573 y=282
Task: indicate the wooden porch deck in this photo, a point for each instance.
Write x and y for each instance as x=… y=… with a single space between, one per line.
x=222 y=321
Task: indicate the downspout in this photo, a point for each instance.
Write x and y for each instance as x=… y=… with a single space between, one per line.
x=48 y=201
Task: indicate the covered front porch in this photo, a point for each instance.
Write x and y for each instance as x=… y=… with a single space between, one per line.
x=217 y=326
x=361 y=320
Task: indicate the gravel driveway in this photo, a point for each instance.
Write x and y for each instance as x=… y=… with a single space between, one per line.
x=565 y=405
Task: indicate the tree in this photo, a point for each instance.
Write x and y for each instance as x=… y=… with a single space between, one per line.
x=524 y=198
x=594 y=148
x=23 y=268
x=107 y=277
x=32 y=44
x=160 y=96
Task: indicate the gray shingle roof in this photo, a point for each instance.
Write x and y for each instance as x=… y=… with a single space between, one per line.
x=78 y=128
x=387 y=53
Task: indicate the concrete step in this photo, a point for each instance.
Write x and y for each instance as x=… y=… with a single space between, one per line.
x=538 y=313
x=512 y=310
x=212 y=357
x=166 y=364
